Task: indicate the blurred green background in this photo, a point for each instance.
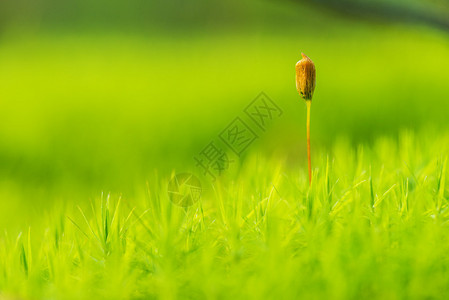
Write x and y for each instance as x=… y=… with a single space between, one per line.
x=102 y=95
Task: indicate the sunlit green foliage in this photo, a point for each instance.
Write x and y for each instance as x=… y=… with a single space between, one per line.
x=96 y=115
x=373 y=224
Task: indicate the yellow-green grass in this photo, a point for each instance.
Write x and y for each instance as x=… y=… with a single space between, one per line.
x=373 y=225
x=86 y=113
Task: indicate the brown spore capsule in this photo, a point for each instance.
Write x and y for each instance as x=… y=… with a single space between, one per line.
x=305 y=77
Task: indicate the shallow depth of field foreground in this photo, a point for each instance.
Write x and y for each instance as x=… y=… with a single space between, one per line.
x=373 y=225
x=158 y=150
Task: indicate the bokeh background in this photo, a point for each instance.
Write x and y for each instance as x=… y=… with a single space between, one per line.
x=101 y=96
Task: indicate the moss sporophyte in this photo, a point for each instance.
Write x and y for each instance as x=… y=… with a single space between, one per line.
x=305 y=84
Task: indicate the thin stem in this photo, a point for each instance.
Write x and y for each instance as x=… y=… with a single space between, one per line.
x=309 y=103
